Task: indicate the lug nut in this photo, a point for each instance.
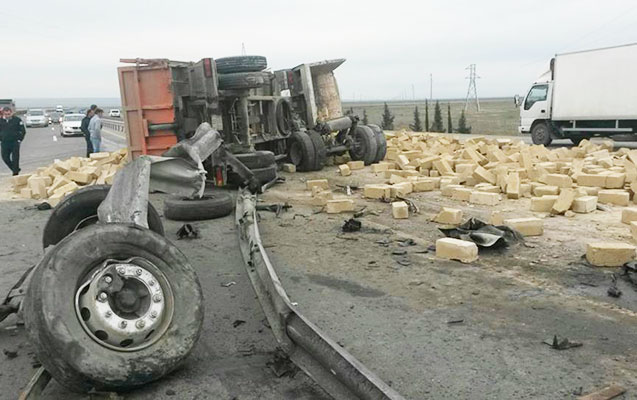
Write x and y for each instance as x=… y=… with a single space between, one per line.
x=123 y=324
x=153 y=314
x=140 y=324
x=108 y=279
x=121 y=270
x=151 y=282
x=157 y=298
x=138 y=271
x=102 y=297
x=108 y=314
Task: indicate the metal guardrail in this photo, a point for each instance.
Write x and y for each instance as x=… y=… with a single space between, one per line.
x=114 y=125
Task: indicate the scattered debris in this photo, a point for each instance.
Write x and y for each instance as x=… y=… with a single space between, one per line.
x=613 y=290
x=607 y=393
x=170 y=392
x=561 y=344
x=10 y=353
x=281 y=365
x=238 y=322
x=455 y=321
x=399 y=252
x=352 y=225
x=483 y=234
x=44 y=206
x=383 y=242
x=406 y=242
x=228 y=284
x=187 y=231
x=275 y=208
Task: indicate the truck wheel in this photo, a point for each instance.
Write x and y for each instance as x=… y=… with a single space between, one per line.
x=540 y=134
x=381 y=142
x=320 y=151
x=283 y=115
x=363 y=147
x=79 y=210
x=577 y=140
x=229 y=65
x=125 y=309
x=301 y=151
x=257 y=159
x=243 y=80
x=214 y=204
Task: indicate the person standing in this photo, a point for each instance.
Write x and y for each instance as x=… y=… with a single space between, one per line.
x=95 y=129
x=87 y=135
x=12 y=134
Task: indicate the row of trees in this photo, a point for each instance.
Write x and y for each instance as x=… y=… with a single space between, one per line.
x=387 y=121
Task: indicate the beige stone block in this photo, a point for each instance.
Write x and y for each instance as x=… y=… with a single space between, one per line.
x=100 y=155
x=525 y=190
x=613 y=196
x=456 y=249
x=526 y=226
x=564 y=201
x=322 y=183
x=546 y=190
x=66 y=189
x=559 y=180
x=615 y=180
x=423 y=185
x=609 y=254
x=447 y=190
x=377 y=191
x=74 y=163
x=584 y=204
x=380 y=167
x=461 y=194
x=397 y=179
x=633 y=230
x=288 y=167
x=400 y=210
x=26 y=193
x=20 y=180
x=443 y=167
x=337 y=206
x=484 y=175
x=55 y=199
x=591 y=180
x=38 y=187
x=543 y=203
x=484 y=198
x=629 y=214
x=513 y=185
x=449 y=216
x=344 y=170
x=401 y=189
x=79 y=177
x=321 y=197
x=355 y=165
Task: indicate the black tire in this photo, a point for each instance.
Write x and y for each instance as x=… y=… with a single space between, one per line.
x=257 y=159
x=381 y=142
x=79 y=210
x=68 y=353
x=265 y=175
x=576 y=140
x=214 y=204
x=320 y=151
x=283 y=116
x=363 y=147
x=301 y=151
x=229 y=65
x=541 y=134
x=243 y=80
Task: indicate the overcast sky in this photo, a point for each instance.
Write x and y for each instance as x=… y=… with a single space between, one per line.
x=72 y=49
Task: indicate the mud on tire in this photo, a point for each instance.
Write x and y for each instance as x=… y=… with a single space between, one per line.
x=74 y=358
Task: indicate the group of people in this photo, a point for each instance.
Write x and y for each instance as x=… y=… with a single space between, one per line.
x=12 y=132
x=91 y=127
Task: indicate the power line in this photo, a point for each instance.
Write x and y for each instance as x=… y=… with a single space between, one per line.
x=472 y=90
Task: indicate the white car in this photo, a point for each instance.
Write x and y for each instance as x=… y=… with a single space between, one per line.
x=70 y=125
x=36 y=117
x=114 y=113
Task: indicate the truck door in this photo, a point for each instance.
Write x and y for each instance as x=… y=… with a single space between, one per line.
x=535 y=106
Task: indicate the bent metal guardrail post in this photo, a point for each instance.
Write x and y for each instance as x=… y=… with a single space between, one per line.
x=331 y=366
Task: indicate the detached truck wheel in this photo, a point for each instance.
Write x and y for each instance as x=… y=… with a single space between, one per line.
x=79 y=210
x=113 y=307
x=541 y=134
x=229 y=65
x=364 y=146
x=214 y=204
x=243 y=80
x=381 y=142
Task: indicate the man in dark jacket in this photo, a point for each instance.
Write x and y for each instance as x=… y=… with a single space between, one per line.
x=12 y=134
x=84 y=129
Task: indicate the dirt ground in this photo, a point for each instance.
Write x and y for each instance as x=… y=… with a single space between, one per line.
x=399 y=313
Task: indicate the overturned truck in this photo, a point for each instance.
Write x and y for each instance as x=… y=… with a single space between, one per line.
x=291 y=114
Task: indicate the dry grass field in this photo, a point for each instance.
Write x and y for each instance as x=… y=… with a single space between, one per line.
x=497 y=116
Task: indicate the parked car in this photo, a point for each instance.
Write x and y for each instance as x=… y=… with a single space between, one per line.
x=114 y=113
x=55 y=117
x=70 y=125
x=36 y=117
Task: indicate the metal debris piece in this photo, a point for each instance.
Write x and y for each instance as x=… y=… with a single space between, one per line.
x=399 y=252
x=275 y=208
x=10 y=353
x=44 y=206
x=383 y=242
x=352 y=225
x=613 y=290
x=413 y=208
x=228 y=284
x=562 y=344
x=187 y=231
x=455 y=321
x=406 y=242
x=483 y=234
x=238 y=322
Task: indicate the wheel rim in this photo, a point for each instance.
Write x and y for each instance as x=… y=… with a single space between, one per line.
x=540 y=133
x=125 y=305
x=358 y=147
x=296 y=153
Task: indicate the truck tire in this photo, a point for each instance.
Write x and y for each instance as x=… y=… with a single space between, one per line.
x=283 y=116
x=79 y=210
x=381 y=142
x=541 y=134
x=320 y=151
x=257 y=159
x=576 y=140
x=363 y=147
x=213 y=204
x=265 y=175
x=301 y=151
x=230 y=65
x=243 y=80
x=80 y=348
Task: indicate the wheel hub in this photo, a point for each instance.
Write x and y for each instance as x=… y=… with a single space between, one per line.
x=125 y=305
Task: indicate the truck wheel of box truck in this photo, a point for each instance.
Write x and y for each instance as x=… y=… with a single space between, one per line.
x=541 y=134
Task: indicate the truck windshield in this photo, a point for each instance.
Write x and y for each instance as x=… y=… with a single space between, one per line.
x=537 y=93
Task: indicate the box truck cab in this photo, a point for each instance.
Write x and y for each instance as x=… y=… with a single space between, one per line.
x=584 y=94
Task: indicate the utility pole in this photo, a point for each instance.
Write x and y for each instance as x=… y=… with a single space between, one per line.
x=431 y=86
x=413 y=93
x=472 y=91
x=243 y=49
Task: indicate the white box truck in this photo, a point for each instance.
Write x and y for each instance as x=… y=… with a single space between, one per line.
x=584 y=94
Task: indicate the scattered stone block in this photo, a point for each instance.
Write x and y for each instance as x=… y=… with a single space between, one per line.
x=609 y=254
x=377 y=191
x=526 y=226
x=484 y=198
x=288 y=167
x=513 y=185
x=462 y=194
x=322 y=183
x=456 y=249
x=563 y=202
x=483 y=175
x=629 y=214
x=20 y=180
x=400 y=210
x=544 y=190
x=354 y=165
x=423 y=185
x=337 y=206
x=449 y=216
x=613 y=196
x=585 y=204
x=401 y=189
x=559 y=180
x=344 y=169
x=591 y=180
